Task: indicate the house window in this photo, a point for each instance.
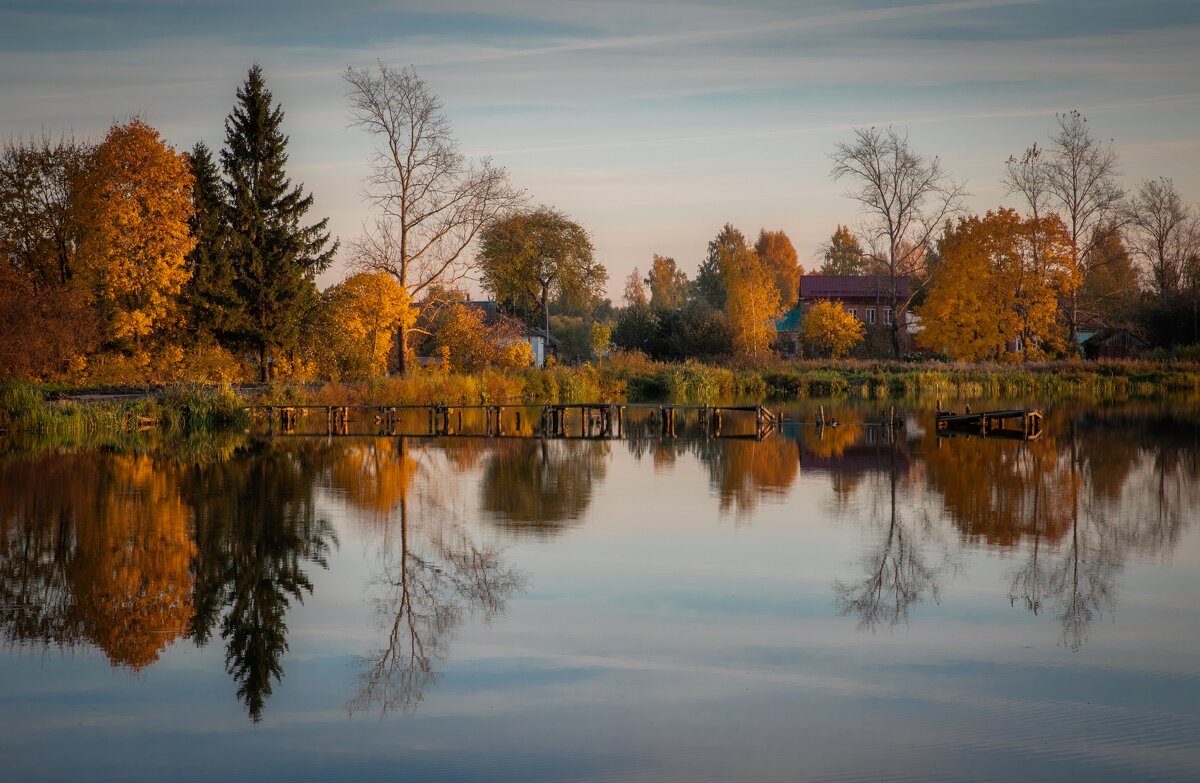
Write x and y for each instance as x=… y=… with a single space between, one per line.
x=871 y=315
x=887 y=316
x=853 y=311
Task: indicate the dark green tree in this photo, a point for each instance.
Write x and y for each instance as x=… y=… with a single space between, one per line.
x=209 y=296
x=710 y=278
x=844 y=255
x=274 y=256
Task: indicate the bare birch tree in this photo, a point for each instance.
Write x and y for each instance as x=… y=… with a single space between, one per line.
x=1165 y=234
x=904 y=198
x=430 y=201
x=1081 y=178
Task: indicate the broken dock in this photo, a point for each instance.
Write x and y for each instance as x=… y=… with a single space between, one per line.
x=605 y=421
x=1022 y=423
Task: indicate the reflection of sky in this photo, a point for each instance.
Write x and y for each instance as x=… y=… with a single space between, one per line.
x=651 y=123
x=662 y=640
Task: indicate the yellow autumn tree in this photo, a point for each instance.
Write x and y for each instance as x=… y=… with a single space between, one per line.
x=362 y=314
x=133 y=205
x=998 y=287
x=831 y=331
x=752 y=303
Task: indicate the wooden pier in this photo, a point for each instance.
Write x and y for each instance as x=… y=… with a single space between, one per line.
x=603 y=421
x=992 y=423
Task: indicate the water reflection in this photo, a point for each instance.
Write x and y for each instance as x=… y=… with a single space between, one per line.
x=741 y=473
x=257 y=531
x=431 y=572
x=131 y=550
x=906 y=560
x=537 y=487
x=1099 y=488
x=95 y=549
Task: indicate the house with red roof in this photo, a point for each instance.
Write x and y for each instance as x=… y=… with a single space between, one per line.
x=869 y=298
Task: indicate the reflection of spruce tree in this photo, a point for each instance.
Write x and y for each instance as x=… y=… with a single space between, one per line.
x=897 y=573
x=256 y=528
x=536 y=486
x=432 y=575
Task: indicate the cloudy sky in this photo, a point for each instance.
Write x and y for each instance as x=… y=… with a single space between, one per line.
x=651 y=122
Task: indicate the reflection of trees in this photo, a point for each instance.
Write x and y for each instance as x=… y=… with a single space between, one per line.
x=535 y=486
x=1099 y=487
x=742 y=472
x=432 y=576
x=256 y=529
x=94 y=548
x=897 y=572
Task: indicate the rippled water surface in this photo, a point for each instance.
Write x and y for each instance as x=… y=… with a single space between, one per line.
x=850 y=603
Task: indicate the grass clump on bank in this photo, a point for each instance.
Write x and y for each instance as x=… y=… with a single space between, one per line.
x=185 y=410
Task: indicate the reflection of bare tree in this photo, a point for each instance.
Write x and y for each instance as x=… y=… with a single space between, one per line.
x=1107 y=498
x=897 y=572
x=432 y=576
x=535 y=486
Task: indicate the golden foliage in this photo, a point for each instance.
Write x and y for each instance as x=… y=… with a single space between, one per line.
x=360 y=319
x=47 y=332
x=133 y=206
x=777 y=253
x=830 y=330
x=473 y=345
x=131 y=576
x=752 y=303
x=1000 y=280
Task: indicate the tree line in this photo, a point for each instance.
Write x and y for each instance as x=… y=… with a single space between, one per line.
x=126 y=260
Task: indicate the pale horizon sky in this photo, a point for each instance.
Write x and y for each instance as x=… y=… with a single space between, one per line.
x=650 y=123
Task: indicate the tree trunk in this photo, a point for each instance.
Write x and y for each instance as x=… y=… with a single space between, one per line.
x=895 y=325
x=401 y=345
x=263 y=374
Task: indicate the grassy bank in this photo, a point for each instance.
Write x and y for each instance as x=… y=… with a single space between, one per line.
x=190 y=410
x=180 y=411
x=693 y=382
x=635 y=378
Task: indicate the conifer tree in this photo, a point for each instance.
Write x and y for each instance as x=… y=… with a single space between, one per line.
x=209 y=296
x=274 y=256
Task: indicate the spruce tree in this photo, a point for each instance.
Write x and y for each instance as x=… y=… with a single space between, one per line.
x=212 y=305
x=275 y=257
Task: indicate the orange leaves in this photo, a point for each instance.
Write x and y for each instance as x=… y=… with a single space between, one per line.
x=752 y=302
x=998 y=286
x=133 y=205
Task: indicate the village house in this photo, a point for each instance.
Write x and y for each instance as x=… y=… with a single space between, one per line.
x=866 y=297
x=541 y=344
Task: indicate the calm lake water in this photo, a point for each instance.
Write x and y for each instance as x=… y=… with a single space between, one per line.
x=844 y=604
